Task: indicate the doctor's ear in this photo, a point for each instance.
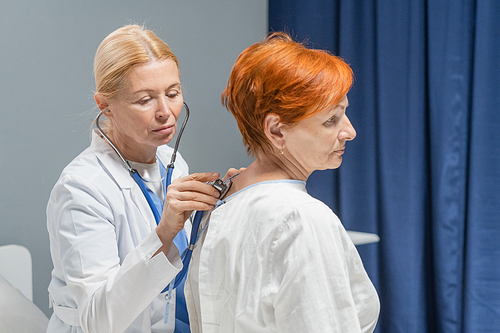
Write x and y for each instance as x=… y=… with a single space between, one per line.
x=101 y=102
x=273 y=130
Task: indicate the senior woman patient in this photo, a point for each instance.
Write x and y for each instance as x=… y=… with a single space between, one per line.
x=273 y=258
x=111 y=258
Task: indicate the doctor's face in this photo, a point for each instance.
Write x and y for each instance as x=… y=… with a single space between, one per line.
x=144 y=113
x=318 y=142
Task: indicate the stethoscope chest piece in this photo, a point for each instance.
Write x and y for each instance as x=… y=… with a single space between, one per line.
x=221 y=186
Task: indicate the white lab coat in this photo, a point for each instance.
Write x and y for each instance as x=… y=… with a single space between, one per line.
x=102 y=239
x=274 y=259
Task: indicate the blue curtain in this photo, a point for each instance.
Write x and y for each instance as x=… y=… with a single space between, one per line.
x=424 y=171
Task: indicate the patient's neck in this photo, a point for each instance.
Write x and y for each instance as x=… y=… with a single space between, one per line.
x=264 y=168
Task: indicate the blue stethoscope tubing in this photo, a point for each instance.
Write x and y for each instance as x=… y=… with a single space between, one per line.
x=194 y=229
x=170 y=167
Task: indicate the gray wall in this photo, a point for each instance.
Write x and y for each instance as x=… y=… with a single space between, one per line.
x=46 y=93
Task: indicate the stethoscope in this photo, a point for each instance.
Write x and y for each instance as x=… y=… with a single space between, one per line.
x=221 y=186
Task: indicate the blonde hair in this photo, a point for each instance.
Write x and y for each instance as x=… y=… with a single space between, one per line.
x=122 y=50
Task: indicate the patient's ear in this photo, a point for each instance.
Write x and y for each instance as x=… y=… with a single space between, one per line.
x=273 y=130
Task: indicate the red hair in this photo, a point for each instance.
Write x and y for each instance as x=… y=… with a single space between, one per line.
x=283 y=77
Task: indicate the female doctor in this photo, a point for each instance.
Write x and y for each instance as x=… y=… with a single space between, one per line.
x=111 y=259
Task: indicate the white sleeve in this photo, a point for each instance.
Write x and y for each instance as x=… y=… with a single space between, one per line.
x=314 y=278
x=109 y=295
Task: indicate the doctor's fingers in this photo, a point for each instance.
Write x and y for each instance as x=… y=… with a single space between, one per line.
x=179 y=207
x=188 y=196
x=232 y=171
x=202 y=177
x=187 y=185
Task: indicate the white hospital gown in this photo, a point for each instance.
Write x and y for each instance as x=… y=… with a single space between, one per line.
x=274 y=259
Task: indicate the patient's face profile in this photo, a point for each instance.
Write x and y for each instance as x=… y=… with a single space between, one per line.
x=318 y=142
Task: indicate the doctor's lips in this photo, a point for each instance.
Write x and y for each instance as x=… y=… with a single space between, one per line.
x=164 y=129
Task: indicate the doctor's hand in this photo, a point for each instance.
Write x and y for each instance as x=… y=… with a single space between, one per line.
x=185 y=195
x=231 y=172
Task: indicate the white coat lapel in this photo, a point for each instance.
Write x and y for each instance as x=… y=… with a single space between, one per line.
x=117 y=170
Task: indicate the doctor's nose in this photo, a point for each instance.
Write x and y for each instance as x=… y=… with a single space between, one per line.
x=163 y=108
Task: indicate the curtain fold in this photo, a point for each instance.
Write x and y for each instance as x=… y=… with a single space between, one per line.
x=481 y=288
x=424 y=169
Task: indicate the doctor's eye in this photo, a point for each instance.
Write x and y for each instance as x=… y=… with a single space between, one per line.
x=144 y=100
x=173 y=94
